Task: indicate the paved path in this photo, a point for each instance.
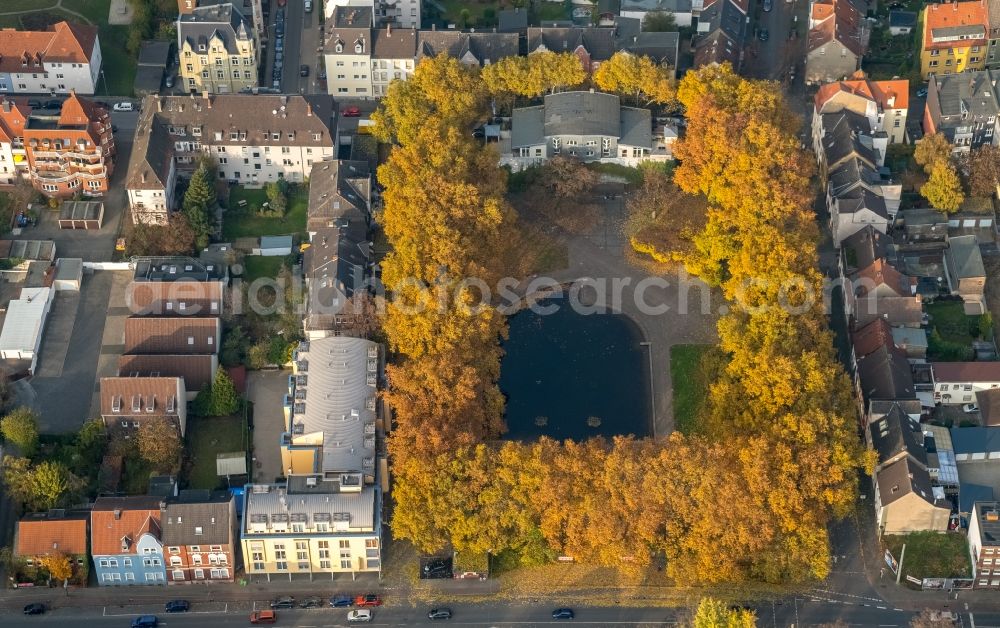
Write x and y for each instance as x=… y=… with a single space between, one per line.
x=58 y=5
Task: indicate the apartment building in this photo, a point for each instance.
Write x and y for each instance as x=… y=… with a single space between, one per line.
x=348 y=51
x=200 y=534
x=956 y=383
x=838 y=38
x=954 y=38
x=964 y=109
x=64 y=58
x=312 y=525
x=386 y=13
x=722 y=31
x=62 y=153
x=884 y=103
x=217 y=50
x=592 y=45
x=125 y=543
x=393 y=58
x=127 y=402
x=984 y=544
x=253 y=139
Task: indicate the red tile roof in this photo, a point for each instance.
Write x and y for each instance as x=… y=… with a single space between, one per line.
x=881 y=92
x=37 y=537
x=156 y=392
x=952 y=15
x=62 y=43
x=165 y=298
x=171 y=335
x=869 y=338
x=838 y=20
x=116 y=518
x=880 y=272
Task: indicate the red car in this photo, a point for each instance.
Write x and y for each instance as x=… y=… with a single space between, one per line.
x=368 y=600
x=263 y=617
x=351 y=112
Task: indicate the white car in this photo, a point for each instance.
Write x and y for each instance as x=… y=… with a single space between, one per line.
x=970 y=408
x=360 y=615
x=123 y=106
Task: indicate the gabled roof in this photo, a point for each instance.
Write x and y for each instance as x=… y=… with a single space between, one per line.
x=478 y=48
x=195 y=370
x=174 y=298
x=40 y=535
x=902 y=478
x=171 y=335
x=881 y=273
x=966 y=20
x=335 y=268
x=861 y=249
x=862 y=199
x=973 y=440
x=61 y=43
x=871 y=337
x=338 y=189
x=966 y=372
x=726 y=34
x=223 y=22
x=895 y=310
x=199 y=523
x=146 y=396
x=598 y=42
x=964 y=257
x=394 y=43
x=989 y=406
x=962 y=99
x=885 y=374
x=838 y=20
x=117 y=524
x=893 y=94
x=847 y=134
x=895 y=435
x=660 y=47
x=512 y=20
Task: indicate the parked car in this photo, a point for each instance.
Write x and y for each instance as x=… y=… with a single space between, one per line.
x=286 y=601
x=35 y=103
x=303 y=70
x=279 y=29
x=145 y=621
x=360 y=615
x=369 y=599
x=970 y=408
x=763 y=35
x=563 y=613
x=922 y=92
x=169 y=81
x=177 y=606
x=53 y=104
x=341 y=601
x=263 y=617
x=279 y=45
x=34 y=609
x=439 y=613
x=276 y=84
x=321 y=74
x=311 y=602
x=308 y=6
x=767 y=5
x=351 y=112
x=123 y=106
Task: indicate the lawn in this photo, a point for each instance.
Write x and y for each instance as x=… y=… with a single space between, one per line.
x=243 y=223
x=119 y=65
x=689 y=377
x=207 y=437
x=256 y=266
x=931 y=554
x=632 y=175
x=950 y=320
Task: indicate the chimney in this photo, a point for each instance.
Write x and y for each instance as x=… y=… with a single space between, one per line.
x=388 y=30
x=433 y=27
x=309 y=109
x=159 y=103
x=208 y=99
x=118 y=514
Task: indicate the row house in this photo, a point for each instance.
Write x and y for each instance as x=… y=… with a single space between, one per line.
x=62 y=59
x=62 y=153
x=339 y=258
x=954 y=38
x=200 y=533
x=252 y=140
x=56 y=533
x=957 y=383
x=592 y=45
x=964 y=109
x=884 y=103
x=125 y=541
x=837 y=40
x=993 y=50
x=386 y=13
x=217 y=50
x=721 y=35
x=127 y=402
x=906 y=498
x=984 y=544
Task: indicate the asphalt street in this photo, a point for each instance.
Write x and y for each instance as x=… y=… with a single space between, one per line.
x=784 y=47
x=798 y=613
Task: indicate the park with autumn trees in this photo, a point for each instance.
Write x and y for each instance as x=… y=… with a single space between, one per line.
x=745 y=496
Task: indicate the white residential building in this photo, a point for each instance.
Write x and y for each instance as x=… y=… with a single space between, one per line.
x=397 y=13
x=64 y=58
x=347 y=52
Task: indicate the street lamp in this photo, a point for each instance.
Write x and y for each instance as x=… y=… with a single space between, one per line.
x=104 y=78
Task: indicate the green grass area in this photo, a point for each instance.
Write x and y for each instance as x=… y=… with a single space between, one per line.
x=9 y=6
x=119 y=65
x=135 y=476
x=243 y=223
x=94 y=10
x=931 y=554
x=207 y=437
x=688 y=373
x=952 y=331
x=256 y=266
x=547 y=11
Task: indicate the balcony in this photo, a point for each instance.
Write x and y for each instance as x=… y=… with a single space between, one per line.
x=56 y=154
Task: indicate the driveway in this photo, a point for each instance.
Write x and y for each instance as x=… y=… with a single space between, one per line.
x=267 y=390
x=66 y=380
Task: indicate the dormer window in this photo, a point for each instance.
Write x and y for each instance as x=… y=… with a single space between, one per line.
x=201 y=47
x=339 y=47
x=359 y=47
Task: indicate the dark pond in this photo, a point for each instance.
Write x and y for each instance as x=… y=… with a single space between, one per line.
x=570 y=375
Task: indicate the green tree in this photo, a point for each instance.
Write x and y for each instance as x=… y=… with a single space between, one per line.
x=986 y=326
x=199 y=201
x=943 y=189
x=712 y=613
x=20 y=428
x=52 y=484
x=234 y=346
x=225 y=399
x=18 y=478
x=659 y=22
x=277 y=196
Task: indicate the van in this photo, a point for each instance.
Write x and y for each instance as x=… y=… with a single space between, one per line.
x=308 y=6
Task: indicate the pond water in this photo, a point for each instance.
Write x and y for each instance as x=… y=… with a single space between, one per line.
x=570 y=375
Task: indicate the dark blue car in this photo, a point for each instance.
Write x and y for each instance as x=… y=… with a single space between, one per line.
x=145 y=621
x=562 y=613
x=177 y=606
x=341 y=601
